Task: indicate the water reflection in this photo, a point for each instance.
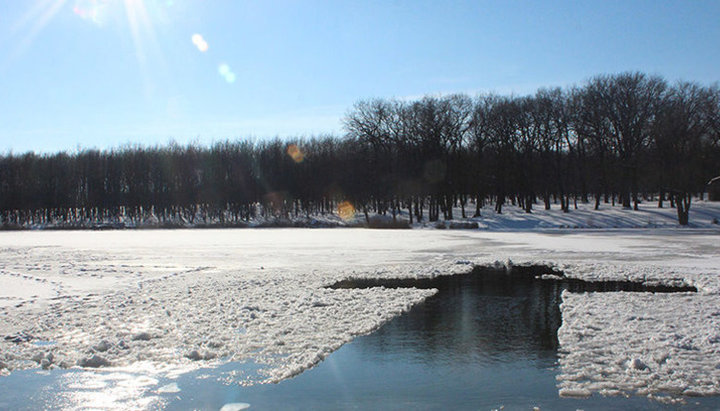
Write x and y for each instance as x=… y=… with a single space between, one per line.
x=75 y=389
x=476 y=318
x=486 y=340
x=482 y=342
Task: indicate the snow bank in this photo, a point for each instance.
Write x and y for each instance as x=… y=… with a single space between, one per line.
x=703 y=214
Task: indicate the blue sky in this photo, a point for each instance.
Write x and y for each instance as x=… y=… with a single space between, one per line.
x=112 y=72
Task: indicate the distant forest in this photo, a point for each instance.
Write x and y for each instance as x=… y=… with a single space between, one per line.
x=616 y=138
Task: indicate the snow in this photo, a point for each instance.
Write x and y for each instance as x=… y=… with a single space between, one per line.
x=169 y=301
x=201 y=296
x=703 y=214
x=640 y=343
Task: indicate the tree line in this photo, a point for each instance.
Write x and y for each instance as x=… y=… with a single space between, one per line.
x=616 y=138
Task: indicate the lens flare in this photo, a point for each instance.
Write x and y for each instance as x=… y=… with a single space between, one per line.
x=227 y=74
x=199 y=42
x=295 y=153
x=346 y=210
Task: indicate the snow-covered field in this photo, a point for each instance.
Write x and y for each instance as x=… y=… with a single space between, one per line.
x=169 y=301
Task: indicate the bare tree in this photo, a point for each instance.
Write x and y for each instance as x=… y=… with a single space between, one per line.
x=681 y=126
x=626 y=103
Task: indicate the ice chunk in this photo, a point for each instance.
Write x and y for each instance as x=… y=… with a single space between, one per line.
x=193 y=355
x=235 y=406
x=169 y=388
x=38 y=357
x=196 y=355
x=575 y=393
x=637 y=364
x=142 y=336
x=95 y=361
x=102 y=346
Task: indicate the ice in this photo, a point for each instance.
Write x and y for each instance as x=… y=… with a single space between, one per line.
x=218 y=305
x=638 y=364
x=94 y=361
x=569 y=393
x=178 y=300
x=102 y=346
x=171 y=388
x=142 y=336
x=640 y=343
x=235 y=406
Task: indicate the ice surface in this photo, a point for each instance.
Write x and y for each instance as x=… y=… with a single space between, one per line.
x=640 y=343
x=170 y=301
x=200 y=297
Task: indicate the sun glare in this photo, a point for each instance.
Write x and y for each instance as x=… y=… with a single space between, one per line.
x=32 y=23
x=138 y=19
x=98 y=12
x=140 y=27
x=94 y=11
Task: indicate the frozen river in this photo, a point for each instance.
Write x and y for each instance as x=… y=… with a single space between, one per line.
x=167 y=303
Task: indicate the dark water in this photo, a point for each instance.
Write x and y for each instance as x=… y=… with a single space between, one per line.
x=483 y=342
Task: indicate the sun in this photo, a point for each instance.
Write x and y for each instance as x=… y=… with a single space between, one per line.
x=136 y=15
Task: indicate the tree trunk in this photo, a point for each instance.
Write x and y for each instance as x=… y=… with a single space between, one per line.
x=528 y=203
x=635 y=200
x=410 y=210
x=682 y=201
x=565 y=203
x=499 y=203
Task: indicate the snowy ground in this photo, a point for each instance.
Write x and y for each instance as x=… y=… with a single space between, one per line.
x=166 y=301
